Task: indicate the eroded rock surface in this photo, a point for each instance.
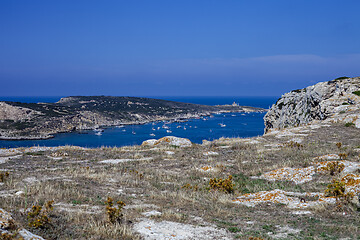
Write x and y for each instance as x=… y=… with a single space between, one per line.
x=9 y=229
x=336 y=99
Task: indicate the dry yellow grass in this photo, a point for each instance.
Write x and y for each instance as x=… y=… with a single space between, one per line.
x=79 y=183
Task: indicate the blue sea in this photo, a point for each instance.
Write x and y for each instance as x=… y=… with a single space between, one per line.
x=208 y=128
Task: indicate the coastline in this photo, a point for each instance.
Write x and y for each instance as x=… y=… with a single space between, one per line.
x=46 y=136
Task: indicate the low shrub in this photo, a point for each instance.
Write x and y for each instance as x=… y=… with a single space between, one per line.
x=357 y=93
x=293 y=144
x=190 y=187
x=337 y=189
x=225 y=185
x=38 y=217
x=114 y=213
x=341 y=78
x=234 y=229
x=343 y=156
x=4 y=176
x=334 y=167
x=349 y=124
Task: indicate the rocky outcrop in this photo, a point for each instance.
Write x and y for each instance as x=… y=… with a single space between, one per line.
x=10 y=230
x=333 y=101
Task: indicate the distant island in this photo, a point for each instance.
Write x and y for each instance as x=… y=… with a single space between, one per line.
x=25 y=121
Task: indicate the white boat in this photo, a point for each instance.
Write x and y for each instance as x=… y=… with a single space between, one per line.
x=98 y=133
x=152 y=134
x=124 y=130
x=153 y=129
x=98 y=130
x=165 y=127
x=133 y=132
x=222 y=125
x=168 y=131
x=120 y=126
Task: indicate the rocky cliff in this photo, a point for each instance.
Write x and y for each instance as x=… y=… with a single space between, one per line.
x=41 y=120
x=333 y=101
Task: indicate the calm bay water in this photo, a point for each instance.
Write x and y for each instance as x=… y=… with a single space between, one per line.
x=209 y=128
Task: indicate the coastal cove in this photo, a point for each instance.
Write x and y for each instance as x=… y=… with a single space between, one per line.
x=205 y=128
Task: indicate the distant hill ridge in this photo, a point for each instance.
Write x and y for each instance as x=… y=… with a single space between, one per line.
x=41 y=120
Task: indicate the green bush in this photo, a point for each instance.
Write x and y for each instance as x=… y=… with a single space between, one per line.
x=341 y=78
x=357 y=93
x=234 y=229
x=349 y=124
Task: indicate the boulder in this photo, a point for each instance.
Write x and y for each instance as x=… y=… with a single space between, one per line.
x=168 y=140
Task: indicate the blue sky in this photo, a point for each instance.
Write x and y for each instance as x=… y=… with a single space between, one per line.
x=175 y=48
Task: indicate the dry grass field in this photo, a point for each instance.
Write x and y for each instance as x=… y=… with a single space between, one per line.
x=167 y=192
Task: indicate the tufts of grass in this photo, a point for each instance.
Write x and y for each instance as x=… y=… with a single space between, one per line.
x=244 y=184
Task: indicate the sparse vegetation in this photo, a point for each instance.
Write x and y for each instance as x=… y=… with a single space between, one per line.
x=292 y=144
x=190 y=187
x=349 y=124
x=337 y=189
x=114 y=214
x=4 y=176
x=334 y=167
x=177 y=188
x=343 y=156
x=38 y=217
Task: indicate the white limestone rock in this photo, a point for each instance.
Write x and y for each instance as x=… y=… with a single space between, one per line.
x=326 y=100
x=168 y=140
x=151 y=230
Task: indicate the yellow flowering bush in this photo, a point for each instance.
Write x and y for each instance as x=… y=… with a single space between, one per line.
x=38 y=216
x=225 y=185
x=114 y=213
